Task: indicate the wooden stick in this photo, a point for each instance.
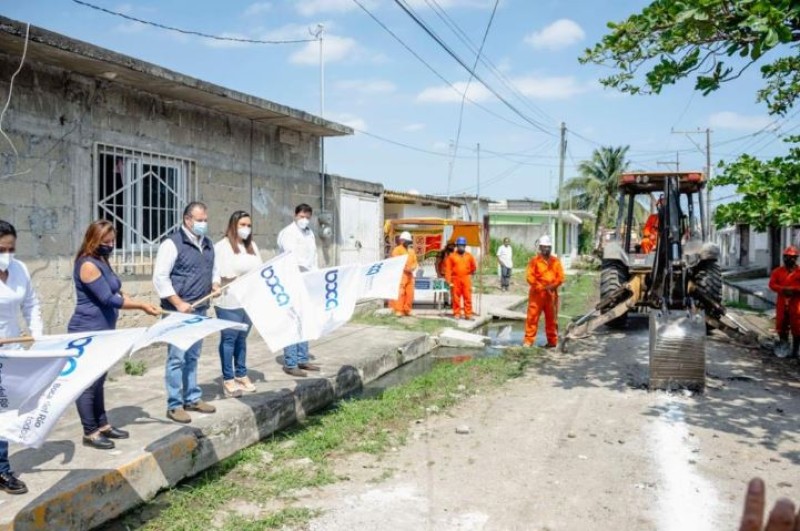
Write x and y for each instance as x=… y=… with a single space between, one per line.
x=12 y=340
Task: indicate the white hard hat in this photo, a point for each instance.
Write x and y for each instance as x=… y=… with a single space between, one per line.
x=545 y=241
x=405 y=235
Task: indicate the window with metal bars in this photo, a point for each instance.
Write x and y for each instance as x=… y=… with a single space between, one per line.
x=143 y=194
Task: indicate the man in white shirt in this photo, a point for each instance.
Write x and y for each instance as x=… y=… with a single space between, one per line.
x=506 y=260
x=298 y=238
x=185 y=273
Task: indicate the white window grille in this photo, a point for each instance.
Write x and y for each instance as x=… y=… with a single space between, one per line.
x=143 y=194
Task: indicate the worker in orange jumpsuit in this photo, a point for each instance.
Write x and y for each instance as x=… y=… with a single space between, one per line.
x=650 y=232
x=785 y=282
x=545 y=275
x=459 y=268
x=405 y=297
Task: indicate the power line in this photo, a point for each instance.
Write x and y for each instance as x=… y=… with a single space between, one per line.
x=190 y=32
x=410 y=12
x=432 y=69
x=464 y=96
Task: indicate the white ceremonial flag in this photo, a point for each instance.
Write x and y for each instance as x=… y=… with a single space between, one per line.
x=24 y=374
x=333 y=293
x=93 y=354
x=276 y=300
x=381 y=280
x=183 y=330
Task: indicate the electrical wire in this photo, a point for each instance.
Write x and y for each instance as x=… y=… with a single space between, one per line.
x=8 y=101
x=431 y=68
x=464 y=96
x=191 y=32
x=432 y=34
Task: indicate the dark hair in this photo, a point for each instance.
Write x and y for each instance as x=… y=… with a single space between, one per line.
x=304 y=208
x=233 y=234
x=7 y=228
x=187 y=212
x=95 y=233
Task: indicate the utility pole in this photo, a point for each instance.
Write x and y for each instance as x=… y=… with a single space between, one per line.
x=478 y=187
x=707 y=131
x=560 y=242
x=319 y=34
x=677 y=162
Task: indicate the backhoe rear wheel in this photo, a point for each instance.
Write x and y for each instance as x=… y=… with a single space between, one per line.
x=613 y=274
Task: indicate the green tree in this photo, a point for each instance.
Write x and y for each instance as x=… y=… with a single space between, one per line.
x=713 y=40
x=770 y=191
x=596 y=186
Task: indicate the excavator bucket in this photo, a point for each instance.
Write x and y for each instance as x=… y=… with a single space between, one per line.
x=677 y=350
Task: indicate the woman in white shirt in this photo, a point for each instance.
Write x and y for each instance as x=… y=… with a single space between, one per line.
x=235 y=255
x=16 y=296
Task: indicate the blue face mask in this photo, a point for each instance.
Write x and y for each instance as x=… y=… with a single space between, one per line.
x=105 y=250
x=200 y=228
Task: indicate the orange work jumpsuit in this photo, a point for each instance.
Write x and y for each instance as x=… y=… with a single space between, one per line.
x=458 y=271
x=650 y=234
x=542 y=272
x=787 y=308
x=405 y=296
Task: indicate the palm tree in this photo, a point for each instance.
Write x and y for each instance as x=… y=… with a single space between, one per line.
x=596 y=186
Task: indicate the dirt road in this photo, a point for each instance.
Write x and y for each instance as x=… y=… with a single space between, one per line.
x=578 y=444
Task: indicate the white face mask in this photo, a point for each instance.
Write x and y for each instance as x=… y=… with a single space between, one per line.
x=243 y=232
x=303 y=223
x=5 y=261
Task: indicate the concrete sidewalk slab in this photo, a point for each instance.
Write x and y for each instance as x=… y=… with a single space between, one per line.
x=75 y=487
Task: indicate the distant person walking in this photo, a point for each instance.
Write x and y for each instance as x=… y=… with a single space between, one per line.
x=298 y=238
x=99 y=298
x=235 y=255
x=459 y=268
x=505 y=257
x=544 y=275
x=185 y=273
x=405 y=297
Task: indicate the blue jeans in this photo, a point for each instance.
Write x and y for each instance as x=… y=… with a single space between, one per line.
x=295 y=354
x=181 y=373
x=5 y=466
x=233 y=344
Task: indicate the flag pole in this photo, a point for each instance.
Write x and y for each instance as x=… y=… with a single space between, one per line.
x=12 y=340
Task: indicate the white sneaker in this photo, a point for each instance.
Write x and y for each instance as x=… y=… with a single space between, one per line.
x=245 y=384
x=230 y=388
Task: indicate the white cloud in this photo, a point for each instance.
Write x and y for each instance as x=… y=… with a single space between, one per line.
x=446 y=94
x=550 y=88
x=738 y=122
x=413 y=128
x=350 y=120
x=130 y=27
x=366 y=86
x=560 y=34
x=309 y=8
x=542 y=88
x=257 y=9
x=335 y=49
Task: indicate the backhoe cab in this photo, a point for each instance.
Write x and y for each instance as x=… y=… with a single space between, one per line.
x=668 y=270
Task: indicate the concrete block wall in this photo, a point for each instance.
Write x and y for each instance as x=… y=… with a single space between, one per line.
x=55 y=119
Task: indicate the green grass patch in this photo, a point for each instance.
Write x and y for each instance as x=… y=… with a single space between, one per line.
x=301 y=456
x=135 y=367
x=578 y=294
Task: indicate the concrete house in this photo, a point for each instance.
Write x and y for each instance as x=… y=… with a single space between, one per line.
x=97 y=134
x=741 y=246
x=412 y=204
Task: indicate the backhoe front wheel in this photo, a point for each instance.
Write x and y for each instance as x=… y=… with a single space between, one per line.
x=613 y=274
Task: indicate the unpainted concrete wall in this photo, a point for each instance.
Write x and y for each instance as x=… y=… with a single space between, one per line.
x=55 y=119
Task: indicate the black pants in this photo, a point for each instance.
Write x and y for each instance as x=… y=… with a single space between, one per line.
x=92 y=406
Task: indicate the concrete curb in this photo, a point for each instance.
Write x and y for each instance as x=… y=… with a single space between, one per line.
x=87 y=498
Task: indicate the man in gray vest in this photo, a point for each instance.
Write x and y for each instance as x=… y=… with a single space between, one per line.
x=184 y=273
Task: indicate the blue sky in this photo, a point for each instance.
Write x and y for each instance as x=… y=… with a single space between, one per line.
x=373 y=84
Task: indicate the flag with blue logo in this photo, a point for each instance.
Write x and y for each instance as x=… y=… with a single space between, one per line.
x=183 y=330
x=333 y=293
x=381 y=280
x=277 y=302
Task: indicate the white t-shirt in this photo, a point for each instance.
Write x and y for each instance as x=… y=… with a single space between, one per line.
x=504 y=256
x=17 y=297
x=301 y=243
x=231 y=265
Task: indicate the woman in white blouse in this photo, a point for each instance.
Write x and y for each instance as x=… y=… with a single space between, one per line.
x=16 y=297
x=235 y=255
